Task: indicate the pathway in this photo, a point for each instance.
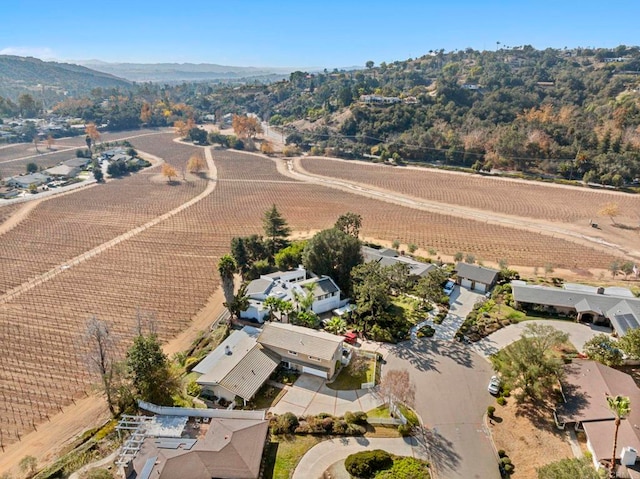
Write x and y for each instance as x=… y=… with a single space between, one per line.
x=320 y=457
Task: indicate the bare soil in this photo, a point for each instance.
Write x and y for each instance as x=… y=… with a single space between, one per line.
x=527 y=433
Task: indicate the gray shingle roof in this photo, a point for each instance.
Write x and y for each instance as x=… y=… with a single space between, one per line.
x=322 y=286
x=300 y=339
x=622 y=311
x=476 y=273
x=259 y=286
x=248 y=376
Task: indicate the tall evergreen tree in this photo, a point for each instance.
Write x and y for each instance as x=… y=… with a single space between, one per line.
x=275 y=230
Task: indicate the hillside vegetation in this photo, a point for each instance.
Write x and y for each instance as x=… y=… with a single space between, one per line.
x=23 y=74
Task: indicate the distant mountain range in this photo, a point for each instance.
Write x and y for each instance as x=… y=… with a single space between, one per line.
x=178 y=72
x=27 y=74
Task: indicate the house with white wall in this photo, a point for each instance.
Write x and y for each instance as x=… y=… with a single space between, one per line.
x=290 y=286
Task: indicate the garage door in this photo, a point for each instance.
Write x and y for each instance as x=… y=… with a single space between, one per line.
x=466 y=283
x=315 y=372
x=481 y=287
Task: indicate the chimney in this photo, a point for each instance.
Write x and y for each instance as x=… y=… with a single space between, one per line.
x=227 y=350
x=600 y=290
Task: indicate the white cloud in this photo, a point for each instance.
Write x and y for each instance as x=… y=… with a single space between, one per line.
x=44 y=53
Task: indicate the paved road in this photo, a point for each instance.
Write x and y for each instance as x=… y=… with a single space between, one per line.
x=451 y=398
x=320 y=457
x=578 y=335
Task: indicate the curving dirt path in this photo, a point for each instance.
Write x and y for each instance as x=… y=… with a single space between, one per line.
x=294 y=169
x=46 y=441
x=61 y=268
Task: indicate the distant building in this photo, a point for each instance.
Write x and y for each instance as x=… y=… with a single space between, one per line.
x=62 y=171
x=25 y=181
x=379 y=100
x=389 y=257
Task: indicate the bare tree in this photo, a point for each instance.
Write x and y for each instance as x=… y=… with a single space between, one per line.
x=396 y=386
x=101 y=360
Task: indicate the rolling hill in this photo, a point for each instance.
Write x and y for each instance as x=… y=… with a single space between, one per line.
x=27 y=74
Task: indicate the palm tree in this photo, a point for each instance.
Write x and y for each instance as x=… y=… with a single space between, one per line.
x=227 y=267
x=620 y=406
x=336 y=325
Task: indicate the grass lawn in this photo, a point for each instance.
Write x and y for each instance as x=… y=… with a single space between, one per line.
x=409 y=415
x=284 y=453
x=379 y=412
x=361 y=369
x=408 y=308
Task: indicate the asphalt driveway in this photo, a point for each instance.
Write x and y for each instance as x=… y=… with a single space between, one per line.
x=451 y=399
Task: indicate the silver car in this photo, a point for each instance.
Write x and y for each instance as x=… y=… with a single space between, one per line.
x=494 y=385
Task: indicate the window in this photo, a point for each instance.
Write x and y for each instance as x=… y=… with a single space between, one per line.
x=292 y=353
x=315 y=359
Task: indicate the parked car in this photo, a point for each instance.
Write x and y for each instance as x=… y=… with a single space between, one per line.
x=350 y=338
x=449 y=287
x=494 y=385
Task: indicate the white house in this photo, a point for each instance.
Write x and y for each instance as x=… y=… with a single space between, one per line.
x=290 y=286
x=25 y=181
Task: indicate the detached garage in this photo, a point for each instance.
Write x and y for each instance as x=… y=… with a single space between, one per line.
x=477 y=278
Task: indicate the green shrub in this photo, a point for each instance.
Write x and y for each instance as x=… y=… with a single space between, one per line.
x=490 y=411
x=502 y=453
x=358 y=417
x=99 y=474
x=366 y=464
x=190 y=363
x=501 y=400
x=405 y=429
x=284 y=424
x=406 y=468
x=194 y=389
x=356 y=429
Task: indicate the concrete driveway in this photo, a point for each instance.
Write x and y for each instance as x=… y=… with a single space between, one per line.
x=578 y=335
x=451 y=399
x=320 y=457
x=310 y=395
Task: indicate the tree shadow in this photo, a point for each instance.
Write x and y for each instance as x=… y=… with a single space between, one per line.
x=439 y=450
x=459 y=353
x=269 y=459
x=419 y=353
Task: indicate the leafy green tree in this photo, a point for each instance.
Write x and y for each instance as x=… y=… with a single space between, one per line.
x=627 y=268
x=32 y=167
x=198 y=135
x=27 y=105
x=275 y=230
x=336 y=325
x=603 y=349
x=333 y=253
x=620 y=406
x=239 y=303
x=630 y=343
x=349 y=223
x=291 y=256
x=429 y=288
x=569 y=469
x=98 y=174
x=529 y=364
x=227 y=268
x=370 y=291
x=150 y=371
x=240 y=254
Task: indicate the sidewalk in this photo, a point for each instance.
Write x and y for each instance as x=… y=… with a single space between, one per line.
x=320 y=457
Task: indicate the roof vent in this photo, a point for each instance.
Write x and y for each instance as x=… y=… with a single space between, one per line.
x=227 y=350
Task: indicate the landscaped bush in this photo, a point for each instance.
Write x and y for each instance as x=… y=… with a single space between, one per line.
x=194 y=389
x=366 y=464
x=406 y=468
x=190 y=363
x=426 y=332
x=324 y=423
x=405 y=429
x=490 y=411
x=501 y=400
x=358 y=417
x=284 y=424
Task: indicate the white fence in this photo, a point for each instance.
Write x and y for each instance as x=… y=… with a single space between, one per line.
x=194 y=412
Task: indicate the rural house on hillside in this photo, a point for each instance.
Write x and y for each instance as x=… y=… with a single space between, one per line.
x=476 y=277
x=389 y=257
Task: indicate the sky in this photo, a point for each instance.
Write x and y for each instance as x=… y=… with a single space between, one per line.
x=303 y=33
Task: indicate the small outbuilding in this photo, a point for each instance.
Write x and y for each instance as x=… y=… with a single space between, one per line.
x=476 y=277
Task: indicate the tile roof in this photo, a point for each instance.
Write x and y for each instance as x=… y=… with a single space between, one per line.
x=303 y=340
x=231 y=449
